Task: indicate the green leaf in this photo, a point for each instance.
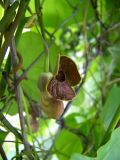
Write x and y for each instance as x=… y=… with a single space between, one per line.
x=68 y=143
x=111 y=150
x=77 y=120
x=55 y=12
x=3 y=134
x=111 y=106
x=13 y=108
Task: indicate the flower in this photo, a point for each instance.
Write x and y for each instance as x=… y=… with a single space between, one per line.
x=58 y=87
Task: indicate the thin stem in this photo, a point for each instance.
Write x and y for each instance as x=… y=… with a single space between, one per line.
x=39 y=15
x=19 y=100
x=41 y=24
x=66 y=21
x=53 y=144
x=113 y=81
x=26 y=111
x=28 y=120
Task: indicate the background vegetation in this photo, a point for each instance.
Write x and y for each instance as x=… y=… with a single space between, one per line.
x=88 y=31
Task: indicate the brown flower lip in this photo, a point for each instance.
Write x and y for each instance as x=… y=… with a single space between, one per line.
x=60 y=90
x=60 y=86
x=69 y=68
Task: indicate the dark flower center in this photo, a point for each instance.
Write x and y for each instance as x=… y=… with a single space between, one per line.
x=60 y=76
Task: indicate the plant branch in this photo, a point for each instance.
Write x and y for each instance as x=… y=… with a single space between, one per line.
x=19 y=100
x=53 y=144
x=113 y=81
x=38 y=8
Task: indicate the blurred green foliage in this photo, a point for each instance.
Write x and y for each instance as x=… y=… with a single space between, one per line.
x=88 y=31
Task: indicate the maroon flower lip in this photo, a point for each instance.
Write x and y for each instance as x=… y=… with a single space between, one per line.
x=60 y=86
x=60 y=90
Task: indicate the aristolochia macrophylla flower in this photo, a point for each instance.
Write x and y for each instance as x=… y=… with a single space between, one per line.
x=56 y=88
x=60 y=86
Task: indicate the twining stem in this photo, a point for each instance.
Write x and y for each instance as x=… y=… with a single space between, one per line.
x=19 y=101
x=53 y=144
x=41 y=24
x=26 y=111
x=28 y=119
